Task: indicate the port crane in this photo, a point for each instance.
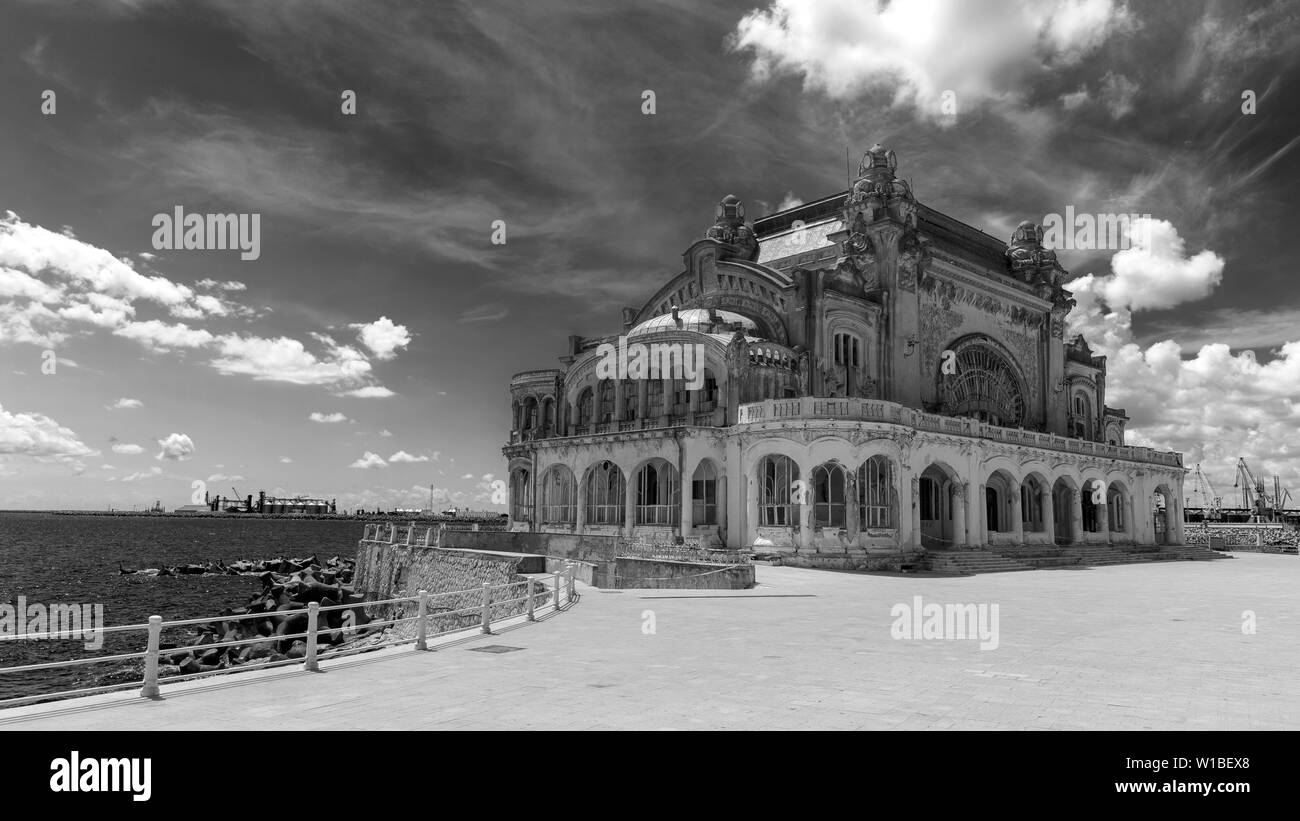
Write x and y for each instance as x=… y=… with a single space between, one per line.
x=1204 y=495
x=1264 y=506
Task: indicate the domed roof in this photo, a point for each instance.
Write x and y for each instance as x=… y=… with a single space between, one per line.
x=700 y=320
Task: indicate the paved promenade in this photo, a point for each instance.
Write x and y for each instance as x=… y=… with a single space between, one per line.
x=1144 y=646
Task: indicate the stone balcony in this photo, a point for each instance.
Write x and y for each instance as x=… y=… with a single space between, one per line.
x=878 y=410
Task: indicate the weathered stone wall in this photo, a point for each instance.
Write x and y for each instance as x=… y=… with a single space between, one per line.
x=453 y=578
x=655 y=574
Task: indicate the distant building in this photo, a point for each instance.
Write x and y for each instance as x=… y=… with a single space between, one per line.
x=877 y=377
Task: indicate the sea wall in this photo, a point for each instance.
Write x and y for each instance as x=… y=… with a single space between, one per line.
x=453 y=578
x=658 y=574
x=1245 y=537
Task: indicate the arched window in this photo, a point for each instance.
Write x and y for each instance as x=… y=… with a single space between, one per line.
x=606 y=411
x=657 y=498
x=631 y=398
x=709 y=393
x=1091 y=523
x=606 y=495
x=521 y=498
x=654 y=399
x=586 y=408
x=986 y=386
x=704 y=494
x=847 y=350
x=830 y=494
x=776 y=504
x=559 y=496
x=548 y=416
x=876 y=498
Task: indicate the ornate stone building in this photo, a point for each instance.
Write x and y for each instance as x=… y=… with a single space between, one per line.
x=879 y=379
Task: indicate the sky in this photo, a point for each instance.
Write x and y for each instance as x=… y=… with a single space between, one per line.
x=364 y=354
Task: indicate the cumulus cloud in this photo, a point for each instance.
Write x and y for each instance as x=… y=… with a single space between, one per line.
x=383 y=337
x=285 y=460
x=128 y=450
x=468 y=476
x=222 y=477
x=125 y=403
x=403 y=456
x=369 y=461
x=327 y=418
x=37 y=435
x=915 y=51
x=1212 y=405
x=177 y=447
x=789 y=201
x=385 y=433
x=370 y=392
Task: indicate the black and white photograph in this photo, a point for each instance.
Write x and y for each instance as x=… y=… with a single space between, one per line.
x=564 y=365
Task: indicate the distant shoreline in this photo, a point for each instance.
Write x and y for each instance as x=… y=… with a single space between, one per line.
x=348 y=517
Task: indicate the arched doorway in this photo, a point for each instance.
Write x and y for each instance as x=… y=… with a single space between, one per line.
x=1063 y=491
x=997 y=501
x=941 y=508
x=1160 y=506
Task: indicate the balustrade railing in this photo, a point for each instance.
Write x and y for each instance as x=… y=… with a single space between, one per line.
x=877 y=410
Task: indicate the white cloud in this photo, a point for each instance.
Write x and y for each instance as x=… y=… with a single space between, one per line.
x=221 y=477
x=287 y=360
x=285 y=460
x=369 y=461
x=1118 y=93
x=370 y=392
x=126 y=403
x=161 y=336
x=143 y=474
x=915 y=51
x=789 y=201
x=468 y=476
x=34 y=434
x=491 y=312
x=385 y=433
x=128 y=450
x=403 y=456
x=177 y=447
x=328 y=418
x=383 y=337
x=107 y=467
x=1212 y=406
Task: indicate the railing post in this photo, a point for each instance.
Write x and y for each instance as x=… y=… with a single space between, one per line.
x=421 y=624
x=150 y=689
x=531 y=599
x=487 y=607
x=557 y=591
x=573 y=581
x=313 y=616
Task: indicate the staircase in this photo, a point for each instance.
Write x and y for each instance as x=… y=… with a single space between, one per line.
x=1100 y=555
x=1038 y=555
x=973 y=561
x=1186 y=552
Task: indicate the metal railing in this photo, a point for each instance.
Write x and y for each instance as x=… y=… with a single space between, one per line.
x=560 y=592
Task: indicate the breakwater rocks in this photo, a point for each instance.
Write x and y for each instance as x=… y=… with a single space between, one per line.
x=335 y=569
x=273 y=616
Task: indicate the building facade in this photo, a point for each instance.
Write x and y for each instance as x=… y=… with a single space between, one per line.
x=868 y=376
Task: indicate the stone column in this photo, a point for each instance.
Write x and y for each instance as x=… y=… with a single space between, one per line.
x=915 y=501
x=1175 y=515
x=1076 y=516
x=1017 y=526
x=852 y=510
x=980 y=508
x=1049 y=514
x=1103 y=517
x=629 y=506
x=723 y=502
x=580 y=515
x=1130 y=524
x=687 y=523
x=806 y=510
x=642 y=389
x=618 y=402
x=959 y=520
